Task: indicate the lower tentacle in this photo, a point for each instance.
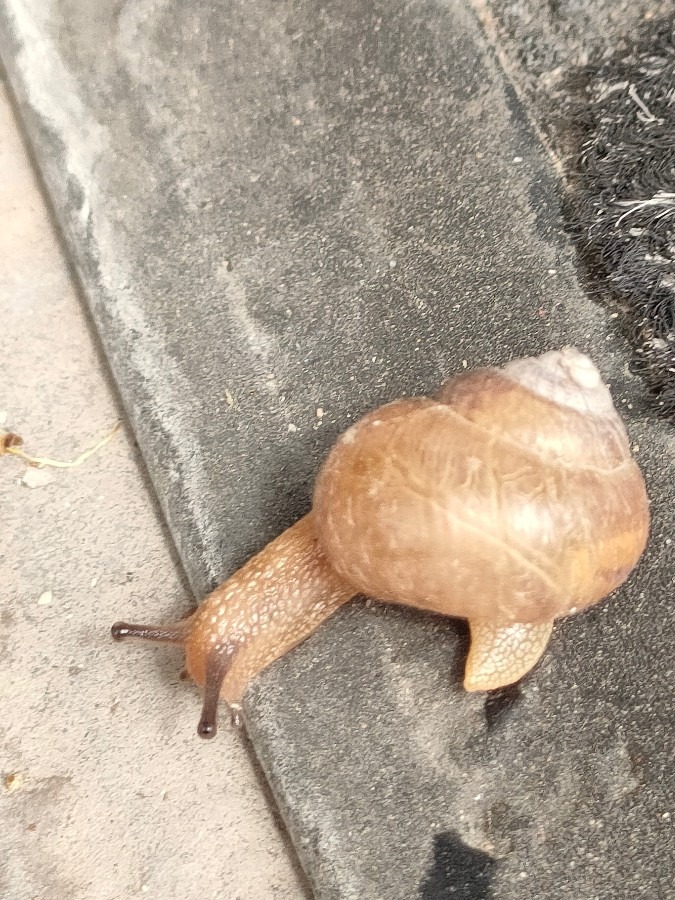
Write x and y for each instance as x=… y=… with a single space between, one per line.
x=218 y=664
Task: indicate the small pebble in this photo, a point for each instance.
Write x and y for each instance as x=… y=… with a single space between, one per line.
x=35 y=478
x=45 y=598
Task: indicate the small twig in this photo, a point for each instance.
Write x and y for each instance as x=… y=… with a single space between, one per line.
x=11 y=444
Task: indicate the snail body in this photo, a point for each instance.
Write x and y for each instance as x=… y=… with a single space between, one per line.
x=510 y=499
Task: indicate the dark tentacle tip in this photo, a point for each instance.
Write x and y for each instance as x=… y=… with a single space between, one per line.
x=120 y=630
x=207 y=729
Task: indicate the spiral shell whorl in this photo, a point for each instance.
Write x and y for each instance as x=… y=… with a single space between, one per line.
x=567 y=377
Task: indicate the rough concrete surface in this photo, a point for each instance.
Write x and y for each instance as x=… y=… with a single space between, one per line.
x=281 y=207
x=102 y=797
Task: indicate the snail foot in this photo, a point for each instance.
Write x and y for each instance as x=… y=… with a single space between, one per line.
x=499 y=655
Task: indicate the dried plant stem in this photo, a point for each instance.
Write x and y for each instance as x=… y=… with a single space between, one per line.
x=12 y=447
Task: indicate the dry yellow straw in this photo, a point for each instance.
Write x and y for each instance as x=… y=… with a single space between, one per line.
x=11 y=444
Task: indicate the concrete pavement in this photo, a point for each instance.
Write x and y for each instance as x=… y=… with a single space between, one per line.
x=102 y=797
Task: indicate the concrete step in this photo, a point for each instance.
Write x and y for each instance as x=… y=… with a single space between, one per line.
x=282 y=216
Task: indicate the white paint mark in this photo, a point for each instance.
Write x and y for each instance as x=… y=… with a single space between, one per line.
x=263 y=345
x=53 y=93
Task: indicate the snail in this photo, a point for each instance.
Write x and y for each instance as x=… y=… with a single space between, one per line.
x=509 y=499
